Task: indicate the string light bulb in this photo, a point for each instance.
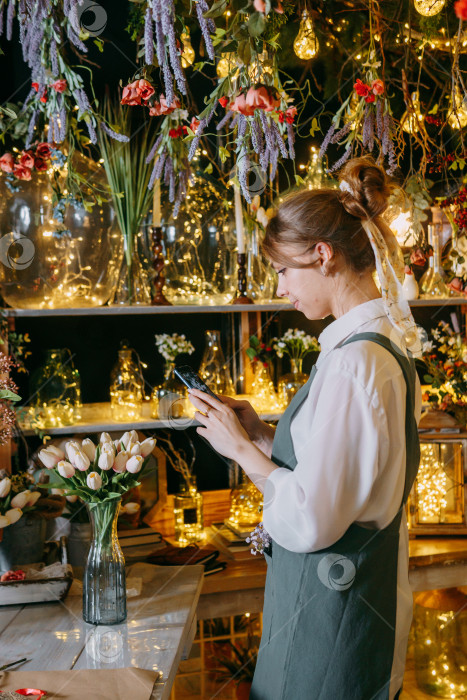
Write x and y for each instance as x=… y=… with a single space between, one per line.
x=429 y=8
x=306 y=42
x=225 y=65
x=188 y=53
x=458 y=112
x=412 y=121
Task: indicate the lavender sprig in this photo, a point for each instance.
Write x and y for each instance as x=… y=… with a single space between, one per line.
x=9 y=19
x=291 y=141
x=202 y=6
x=148 y=37
x=342 y=133
x=260 y=539
x=341 y=160
x=114 y=134
x=326 y=141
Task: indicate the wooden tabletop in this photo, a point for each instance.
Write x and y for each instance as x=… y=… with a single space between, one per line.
x=160 y=624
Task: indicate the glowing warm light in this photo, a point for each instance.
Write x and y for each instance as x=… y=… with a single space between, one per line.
x=188 y=53
x=401 y=227
x=412 y=121
x=226 y=64
x=429 y=8
x=458 y=116
x=306 y=44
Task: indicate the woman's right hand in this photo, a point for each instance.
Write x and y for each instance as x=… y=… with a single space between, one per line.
x=258 y=431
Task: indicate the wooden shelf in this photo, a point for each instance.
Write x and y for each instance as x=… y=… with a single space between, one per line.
x=450 y=301
x=144 y=310
x=96 y=418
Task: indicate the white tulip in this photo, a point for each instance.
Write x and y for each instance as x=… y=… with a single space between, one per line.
x=109 y=448
x=20 y=500
x=4 y=522
x=117 y=445
x=81 y=461
x=105 y=437
x=121 y=459
x=5 y=486
x=105 y=461
x=147 y=446
x=57 y=492
x=89 y=449
x=49 y=456
x=130 y=508
x=94 y=481
x=125 y=439
x=131 y=436
x=133 y=448
x=134 y=464
x=33 y=497
x=65 y=469
x=72 y=499
x=71 y=448
x=13 y=515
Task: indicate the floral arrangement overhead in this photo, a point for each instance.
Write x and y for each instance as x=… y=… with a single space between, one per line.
x=260 y=351
x=171 y=346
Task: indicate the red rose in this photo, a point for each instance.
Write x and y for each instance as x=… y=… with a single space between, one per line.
x=7 y=163
x=261 y=98
x=370 y=97
x=44 y=97
x=35 y=86
x=377 y=86
x=43 y=150
x=268 y=349
x=40 y=164
x=27 y=159
x=279 y=9
x=21 y=172
x=223 y=101
x=161 y=107
x=175 y=133
x=130 y=95
x=144 y=88
x=290 y=114
x=362 y=89
x=281 y=117
x=194 y=124
x=239 y=105
x=460 y=8
x=59 y=85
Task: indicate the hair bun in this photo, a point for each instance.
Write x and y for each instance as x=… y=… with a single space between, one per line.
x=369 y=189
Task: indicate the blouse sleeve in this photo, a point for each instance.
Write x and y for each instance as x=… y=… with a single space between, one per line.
x=310 y=508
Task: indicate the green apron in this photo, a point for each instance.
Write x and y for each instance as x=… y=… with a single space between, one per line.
x=329 y=616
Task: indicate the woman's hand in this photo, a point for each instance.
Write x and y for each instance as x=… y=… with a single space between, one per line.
x=220 y=424
x=259 y=432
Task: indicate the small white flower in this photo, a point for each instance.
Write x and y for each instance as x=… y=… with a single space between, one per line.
x=121 y=459
x=105 y=437
x=105 y=461
x=147 y=446
x=94 y=481
x=89 y=449
x=134 y=464
x=65 y=469
x=80 y=461
x=49 y=456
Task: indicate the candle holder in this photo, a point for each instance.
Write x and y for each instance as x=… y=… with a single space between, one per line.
x=242 y=297
x=159 y=298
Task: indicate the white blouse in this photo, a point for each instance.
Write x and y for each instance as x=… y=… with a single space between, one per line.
x=349 y=441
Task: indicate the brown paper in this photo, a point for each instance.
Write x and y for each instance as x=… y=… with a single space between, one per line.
x=87 y=684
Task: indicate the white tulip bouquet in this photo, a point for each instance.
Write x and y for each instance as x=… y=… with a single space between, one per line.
x=14 y=505
x=99 y=473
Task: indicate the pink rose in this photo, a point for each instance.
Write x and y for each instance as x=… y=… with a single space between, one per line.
x=43 y=150
x=279 y=9
x=130 y=95
x=418 y=257
x=161 y=107
x=239 y=105
x=262 y=98
x=460 y=8
x=290 y=114
x=144 y=88
x=21 y=172
x=7 y=162
x=456 y=285
x=27 y=159
x=59 y=85
x=259 y=5
x=377 y=86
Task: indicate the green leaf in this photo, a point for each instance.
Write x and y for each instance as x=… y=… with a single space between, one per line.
x=428 y=378
x=314 y=126
x=223 y=154
x=217 y=9
x=244 y=51
x=9 y=395
x=256 y=24
x=251 y=353
x=100 y=44
x=453 y=166
x=208 y=169
x=254 y=342
x=299 y=181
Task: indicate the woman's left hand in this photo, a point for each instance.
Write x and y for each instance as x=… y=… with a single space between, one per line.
x=221 y=426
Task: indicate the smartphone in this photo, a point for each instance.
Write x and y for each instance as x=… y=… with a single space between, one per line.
x=190 y=379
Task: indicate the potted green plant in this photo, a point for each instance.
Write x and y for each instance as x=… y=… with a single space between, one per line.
x=239 y=666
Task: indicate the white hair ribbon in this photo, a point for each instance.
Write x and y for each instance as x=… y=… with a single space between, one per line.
x=390 y=271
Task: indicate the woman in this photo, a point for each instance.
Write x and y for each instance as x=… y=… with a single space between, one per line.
x=338 y=469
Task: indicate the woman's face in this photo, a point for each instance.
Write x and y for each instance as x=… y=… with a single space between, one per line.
x=307 y=288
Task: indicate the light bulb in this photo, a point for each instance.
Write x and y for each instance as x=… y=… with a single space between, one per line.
x=306 y=43
x=429 y=8
x=458 y=116
x=411 y=121
x=225 y=65
x=188 y=53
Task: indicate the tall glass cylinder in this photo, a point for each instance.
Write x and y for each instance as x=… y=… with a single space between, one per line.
x=56 y=391
x=104 y=586
x=214 y=369
x=435 y=286
x=126 y=388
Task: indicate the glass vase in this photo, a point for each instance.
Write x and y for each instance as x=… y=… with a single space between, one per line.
x=169 y=400
x=213 y=368
x=260 y=278
x=290 y=383
x=188 y=513
x=133 y=286
x=56 y=391
x=104 y=586
x=263 y=394
x=245 y=502
x=126 y=388
x=434 y=284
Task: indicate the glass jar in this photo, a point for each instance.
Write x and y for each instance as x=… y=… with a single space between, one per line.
x=169 y=400
x=57 y=265
x=245 y=502
x=126 y=388
x=133 y=287
x=260 y=276
x=263 y=394
x=104 y=586
x=434 y=285
x=188 y=513
x=56 y=391
x=440 y=652
x=290 y=383
x=213 y=368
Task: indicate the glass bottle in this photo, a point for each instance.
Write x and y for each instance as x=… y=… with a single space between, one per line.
x=245 y=502
x=126 y=388
x=169 y=400
x=213 y=368
x=188 y=513
x=56 y=393
x=133 y=286
x=290 y=383
x=260 y=279
x=263 y=394
x=104 y=587
x=435 y=286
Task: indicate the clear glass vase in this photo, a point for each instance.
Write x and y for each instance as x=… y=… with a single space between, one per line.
x=260 y=277
x=133 y=287
x=126 y=388
x=188 y=513
x=56 y=391
x=290 y=383
x=263 y=394
x=434 y=285
x=170 y=399
x=213 y=368
x=104 y=586
x=245 y=502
